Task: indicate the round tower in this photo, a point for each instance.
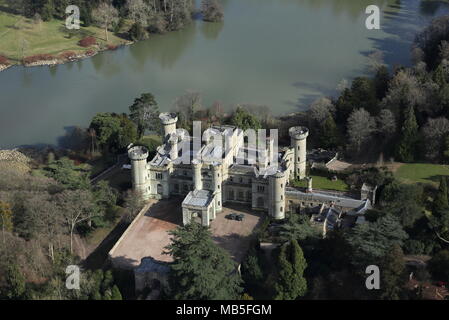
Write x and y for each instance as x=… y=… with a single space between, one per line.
x=277 y=195
x=197 y=178
x=139 y=156
x=298 y=137
x=168 y=120
x=217 y=176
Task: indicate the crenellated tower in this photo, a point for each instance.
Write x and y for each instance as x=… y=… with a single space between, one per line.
x=298 y=137
x=139 y=156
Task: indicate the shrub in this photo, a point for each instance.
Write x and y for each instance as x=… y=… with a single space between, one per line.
x=112 y=47
x=3 y=60
x=68 y=55
x=90 y=52
x=37 y=58
x=137 y=32
x=87 y=42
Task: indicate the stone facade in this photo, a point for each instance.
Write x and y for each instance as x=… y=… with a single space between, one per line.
x=211 y=174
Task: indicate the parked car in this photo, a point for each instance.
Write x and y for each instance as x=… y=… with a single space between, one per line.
x=240 y=217
x=232 y=216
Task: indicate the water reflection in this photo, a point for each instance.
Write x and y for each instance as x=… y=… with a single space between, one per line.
x=278 y=53
x=211 y=31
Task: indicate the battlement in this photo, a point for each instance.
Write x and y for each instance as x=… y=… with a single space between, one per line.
x=168 y=118
x=298 y=133
x=138 y=153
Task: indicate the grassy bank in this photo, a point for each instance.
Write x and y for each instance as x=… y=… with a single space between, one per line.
x=323 y=183
x=421 y=172
x=21 y=37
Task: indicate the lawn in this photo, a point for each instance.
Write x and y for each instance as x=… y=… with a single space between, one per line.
x=21 y=37
x=323 y=183
x=421 y=172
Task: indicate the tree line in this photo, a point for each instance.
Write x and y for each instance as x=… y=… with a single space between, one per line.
x=141 y=16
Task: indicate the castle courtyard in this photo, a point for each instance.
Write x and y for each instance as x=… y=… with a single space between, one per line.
x=147 y=236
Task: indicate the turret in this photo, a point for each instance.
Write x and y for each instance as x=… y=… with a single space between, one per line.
x=173 y=142
x=168 y=120
x=298 y=137
x=197 y=178
x=139 y=156
x=276 y=208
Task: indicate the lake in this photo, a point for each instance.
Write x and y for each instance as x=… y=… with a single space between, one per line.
x=280 y=53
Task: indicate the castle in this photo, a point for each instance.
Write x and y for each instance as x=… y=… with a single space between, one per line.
x=210 y=174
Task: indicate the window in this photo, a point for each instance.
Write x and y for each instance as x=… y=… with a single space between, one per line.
x=240 y=195
x=231 y=179
x=250 y=181
x=218 y=202
x=260 y=188
x=184 y=172
x=282 y=197
x=159 y=176
x=241 y=180
x=281 y=209
x=231 y=194
x=282 y=185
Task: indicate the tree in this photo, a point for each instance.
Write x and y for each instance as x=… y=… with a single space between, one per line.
x=392 y=274
x=133 y=204
x=439 y=265
x=68 y=174
x=113 y=132
x=212 y=10
x=440 y=202
x=116 y=295
x=145 y=114
x=6 y=221
x=251 y=271
x=360 y=127
x=105 y=15
x=138 y=11
x=406 y=150
x=291 y=283
x=329 y=136
x=434 y=132
x=320 y=110
x=76 y=207
x=403 y=202
x=386 y=123
x=297 y=227
x=201 y=270
x=137 y=32
x=244 y=120
x=14 y=287
x=370 y=241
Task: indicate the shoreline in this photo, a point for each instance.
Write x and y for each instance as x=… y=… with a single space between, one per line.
x=60 y=61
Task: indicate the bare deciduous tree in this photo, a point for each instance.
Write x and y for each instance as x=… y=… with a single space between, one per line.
x=360 y=127
x=434 y=131
x=139 y=11
x=76 y=207
x=105 y=15
x=386 y=123
x=320 y=110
